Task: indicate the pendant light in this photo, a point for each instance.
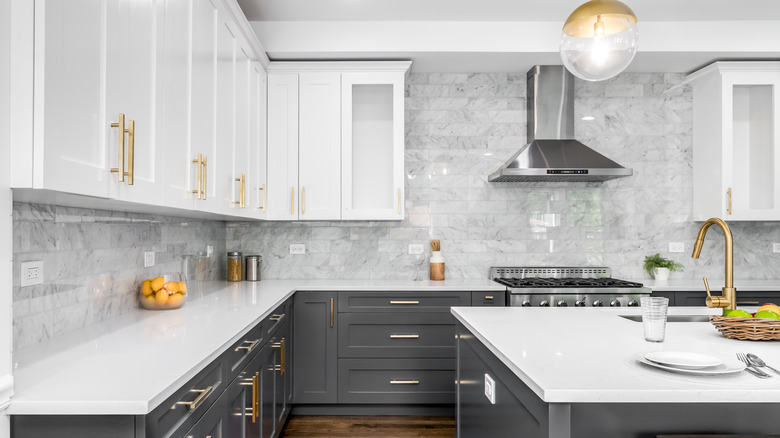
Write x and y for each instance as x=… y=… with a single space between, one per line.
x=599 y=39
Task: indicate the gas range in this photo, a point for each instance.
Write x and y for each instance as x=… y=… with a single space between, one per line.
x=567 y=287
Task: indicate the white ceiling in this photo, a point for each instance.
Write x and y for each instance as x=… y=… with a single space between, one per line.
x=507 y=35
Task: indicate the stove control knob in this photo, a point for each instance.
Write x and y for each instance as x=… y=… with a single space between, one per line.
x=562 y=303
x=526 y=303
x=614 y=303
x=633 y=303
x=544 y=303
x=597 y=303
x=580 y=303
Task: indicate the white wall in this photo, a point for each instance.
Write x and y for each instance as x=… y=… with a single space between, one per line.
x=5 y=218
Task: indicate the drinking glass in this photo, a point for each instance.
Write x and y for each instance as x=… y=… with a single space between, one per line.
x=654 y=317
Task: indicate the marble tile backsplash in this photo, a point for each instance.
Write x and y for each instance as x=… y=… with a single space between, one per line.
x=461 y=127
x=93 y=263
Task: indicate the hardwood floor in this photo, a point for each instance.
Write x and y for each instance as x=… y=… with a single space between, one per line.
x=369 y=426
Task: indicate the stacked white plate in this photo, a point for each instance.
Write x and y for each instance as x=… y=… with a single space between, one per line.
x=690 y=363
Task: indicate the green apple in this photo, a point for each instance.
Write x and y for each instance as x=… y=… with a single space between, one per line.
x=767 y=314
x=738 y=313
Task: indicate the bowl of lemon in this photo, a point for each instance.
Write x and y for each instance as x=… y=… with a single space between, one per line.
x=164 y=292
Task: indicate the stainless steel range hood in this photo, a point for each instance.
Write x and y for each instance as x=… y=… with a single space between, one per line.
x=552 y=154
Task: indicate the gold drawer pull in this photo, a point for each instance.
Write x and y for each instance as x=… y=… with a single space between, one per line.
x=729 y=193
x=241 y=191
x=198 y=400
x=199 y=162
x=488 y=297
x=263 y=189
x=331 y=312
x=204 y=190
x=404 y=382
x=276 y=317
x=247 y=345
x=404 y=336
x=255 y=396
x=404 y=302
x=747 y=302
x=120 y=169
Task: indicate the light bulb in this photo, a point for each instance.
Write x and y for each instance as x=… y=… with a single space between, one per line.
x=599 y=40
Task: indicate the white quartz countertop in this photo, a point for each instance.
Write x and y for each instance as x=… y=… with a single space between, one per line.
x=696 y=284
x=590 y=355
x=130 y=364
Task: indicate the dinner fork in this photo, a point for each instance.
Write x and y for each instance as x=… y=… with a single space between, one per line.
x=752 y=369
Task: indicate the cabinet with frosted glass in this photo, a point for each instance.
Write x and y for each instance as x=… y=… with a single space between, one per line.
x=736 y=141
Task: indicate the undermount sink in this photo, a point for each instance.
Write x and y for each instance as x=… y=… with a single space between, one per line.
x=673 y=318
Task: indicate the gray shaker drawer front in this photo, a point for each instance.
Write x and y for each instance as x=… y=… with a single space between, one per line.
x=402 y=301
x=497 y=299
x=241 y=352
x=409 y=381
x=396 y=335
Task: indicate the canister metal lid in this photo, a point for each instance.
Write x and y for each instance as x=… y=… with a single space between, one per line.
x=253 y=257
x=234 y=254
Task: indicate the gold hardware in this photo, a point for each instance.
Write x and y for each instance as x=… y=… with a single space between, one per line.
x=399 y=200
x=120 y=169
x=203 y=393
x=131 y=153
x=404 y=382
x=242 y=191
x=262 y=207
x=276 y=317
x=280 y=345
x=404 y=302
x=255 y=395
x=331 y=312
x=404 y=336
x=303 y=200
x=292 y=200
x=488 y=297
x=729 y=192
x=747 y=303
x=205 y=175
x=199 y=162
x=581 y=22
x=249 y=347
x=282 y=356
x=728 y=299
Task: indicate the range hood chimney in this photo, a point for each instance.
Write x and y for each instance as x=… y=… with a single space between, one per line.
x=552 y=154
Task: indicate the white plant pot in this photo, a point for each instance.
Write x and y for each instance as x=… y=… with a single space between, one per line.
x=661 y=274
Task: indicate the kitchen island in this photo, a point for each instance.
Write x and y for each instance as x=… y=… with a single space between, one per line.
x=567 y=374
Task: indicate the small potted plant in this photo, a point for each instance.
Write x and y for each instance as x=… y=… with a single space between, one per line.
x=659 y=267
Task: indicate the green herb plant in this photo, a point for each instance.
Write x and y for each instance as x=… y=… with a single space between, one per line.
x=656 y=261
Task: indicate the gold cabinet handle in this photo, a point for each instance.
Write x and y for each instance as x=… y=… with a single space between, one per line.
x=729 y=193
x=203 y=393
x=199 y=190
x=292 y=200
x=404 y=302
x=747 y=303
x=120 y=169
x=205 y=175
x=276 y=317
x=399 y=200
x=247 y=345
x=282 y=352
x=488 y=297
x=280 y=345
x=404 y=382
x=414 y=336
x=241 y=191
x=131 y=153
x=303 y=200
x=255 y=396
x=262 y=207
x=331 y=312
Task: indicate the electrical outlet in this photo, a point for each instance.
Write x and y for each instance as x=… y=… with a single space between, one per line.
x=676 y=246
x=148 y=259
x=490 y=388
x=297 y=248
x=776 y=247
x=209 y=250
x=32 y=273
x=416 y=249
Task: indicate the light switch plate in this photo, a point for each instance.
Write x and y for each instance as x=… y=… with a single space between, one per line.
x=416 y=249
x=32 y=273
x=490 y=389
x=148 y=259
x=676 y=246
x=209 y=250
x=297 y=248
x=775 y=247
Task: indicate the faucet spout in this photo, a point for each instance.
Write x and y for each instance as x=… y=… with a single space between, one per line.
x=729 y=298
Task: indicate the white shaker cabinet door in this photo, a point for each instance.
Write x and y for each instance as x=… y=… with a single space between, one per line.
x=70 y=153
x=257 y=197
x=319 y=149
x=225 y=180
x=282 y=147
x=241 y=162
x=372 y=139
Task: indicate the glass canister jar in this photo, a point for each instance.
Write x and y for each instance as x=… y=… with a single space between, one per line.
x=234 y=266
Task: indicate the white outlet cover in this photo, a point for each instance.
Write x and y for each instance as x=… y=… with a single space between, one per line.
x=676 y=246
x=297 y=248
x=209 y=250
x=31 y=273
x=775 y=247
x=416 y=249
x=490 y=388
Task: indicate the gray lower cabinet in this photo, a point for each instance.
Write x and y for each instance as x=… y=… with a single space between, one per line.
x=315 y=323
x=489 y=299
x=696 y=298
x=397 y=381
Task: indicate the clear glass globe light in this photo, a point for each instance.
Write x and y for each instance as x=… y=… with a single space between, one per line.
x=598 y=47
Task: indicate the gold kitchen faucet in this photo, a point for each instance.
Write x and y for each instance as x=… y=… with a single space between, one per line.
x=728 y=300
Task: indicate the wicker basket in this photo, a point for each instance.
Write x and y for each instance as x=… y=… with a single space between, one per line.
x=747 y=329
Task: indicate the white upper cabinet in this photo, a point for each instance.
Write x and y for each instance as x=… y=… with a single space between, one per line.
x=372 y=140
x=736 y=137
x=282 y=146
x=257 y=196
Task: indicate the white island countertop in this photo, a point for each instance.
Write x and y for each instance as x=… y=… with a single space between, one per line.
x=130 y=364
x=589 y=355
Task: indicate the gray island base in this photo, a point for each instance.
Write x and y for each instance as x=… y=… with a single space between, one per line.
x=519 y=412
